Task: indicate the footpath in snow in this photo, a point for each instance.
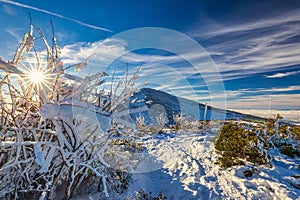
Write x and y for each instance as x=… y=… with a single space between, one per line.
x=183 y=167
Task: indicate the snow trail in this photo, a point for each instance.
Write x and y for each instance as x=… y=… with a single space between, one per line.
x=186 y=169
x=183 y=167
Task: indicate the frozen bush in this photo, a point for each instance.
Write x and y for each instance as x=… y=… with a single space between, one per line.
x=44 y=147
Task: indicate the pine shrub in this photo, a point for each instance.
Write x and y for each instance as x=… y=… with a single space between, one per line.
x=237 y=145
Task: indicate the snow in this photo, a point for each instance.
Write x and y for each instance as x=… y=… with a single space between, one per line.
x=39 y=155
x=182 y=166
x=82 y=111
x=188 y=171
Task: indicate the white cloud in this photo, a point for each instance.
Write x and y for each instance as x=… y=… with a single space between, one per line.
x=265 y=90
x=280 y=75
x=162 y=75
x=255 y=47
x=275 y=101
x=109 y=50
x=163 y=72
x=260 y=98
x=220 y=29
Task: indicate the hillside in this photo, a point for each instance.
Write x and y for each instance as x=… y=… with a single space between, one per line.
x=192 y=109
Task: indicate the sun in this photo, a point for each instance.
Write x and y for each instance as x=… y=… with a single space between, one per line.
x=36 y=76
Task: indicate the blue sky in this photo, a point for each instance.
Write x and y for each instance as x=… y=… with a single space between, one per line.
x=254 y=45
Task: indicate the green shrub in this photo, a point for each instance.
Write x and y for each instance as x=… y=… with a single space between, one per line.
x=236 y=144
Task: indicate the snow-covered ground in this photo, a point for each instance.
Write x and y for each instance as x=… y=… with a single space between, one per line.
x=182 y=166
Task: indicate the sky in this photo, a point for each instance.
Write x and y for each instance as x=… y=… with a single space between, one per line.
x=232 y=54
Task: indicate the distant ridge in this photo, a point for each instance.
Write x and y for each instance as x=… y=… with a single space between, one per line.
x=178 y=105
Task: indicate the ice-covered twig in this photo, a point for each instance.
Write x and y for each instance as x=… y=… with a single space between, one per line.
x=79 y=66
x=25 y=46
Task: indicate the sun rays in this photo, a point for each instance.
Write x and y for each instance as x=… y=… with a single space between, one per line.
x=38 y=79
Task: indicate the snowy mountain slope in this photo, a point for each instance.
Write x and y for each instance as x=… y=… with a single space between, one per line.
x=192 y=109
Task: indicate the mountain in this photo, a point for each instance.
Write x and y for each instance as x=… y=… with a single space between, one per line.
x=160 y=101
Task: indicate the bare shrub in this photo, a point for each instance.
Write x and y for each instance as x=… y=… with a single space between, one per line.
x=44 y=147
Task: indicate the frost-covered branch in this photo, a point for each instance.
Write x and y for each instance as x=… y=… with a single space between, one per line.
x=42 y=146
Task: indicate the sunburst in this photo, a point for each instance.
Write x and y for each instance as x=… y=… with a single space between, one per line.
x=37 y=78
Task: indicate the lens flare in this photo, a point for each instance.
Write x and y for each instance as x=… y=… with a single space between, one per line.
x=36 y=76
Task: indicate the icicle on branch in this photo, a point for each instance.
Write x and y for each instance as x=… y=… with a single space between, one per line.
x=26 y=44
x=49 y=52
x=79 y=66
